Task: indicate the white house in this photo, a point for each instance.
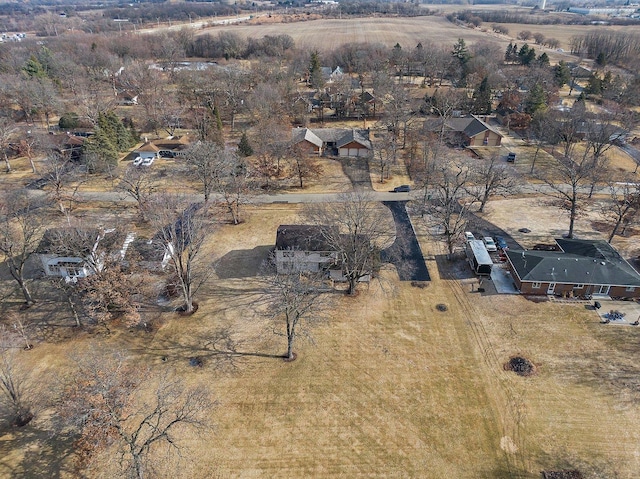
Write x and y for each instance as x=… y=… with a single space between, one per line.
x=302 y=248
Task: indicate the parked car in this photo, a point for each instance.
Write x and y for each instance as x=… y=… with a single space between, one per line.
x=501 y=242
x=468 y=236
x=402 y=189
x=489 y=243
x=511 y=157
x=137 y=161
x=147 y=161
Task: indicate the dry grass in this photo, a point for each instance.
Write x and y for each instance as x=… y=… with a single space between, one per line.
x=327 y=35
x=391 y=387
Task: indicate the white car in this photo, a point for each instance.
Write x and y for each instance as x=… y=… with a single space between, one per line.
x=137 y=161
x=468 y=236
x=489 y=243
x=147 y=161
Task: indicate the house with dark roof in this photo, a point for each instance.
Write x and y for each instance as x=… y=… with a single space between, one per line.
x=303 y=248
x=578 y=268
x=465 y=131
x=333 y=141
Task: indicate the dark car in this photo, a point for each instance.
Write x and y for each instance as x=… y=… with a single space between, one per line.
x=511 y=157
x=501 y=242
x=402 y=189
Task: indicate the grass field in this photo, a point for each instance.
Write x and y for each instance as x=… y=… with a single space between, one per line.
x=328 y=34
x=390 y=387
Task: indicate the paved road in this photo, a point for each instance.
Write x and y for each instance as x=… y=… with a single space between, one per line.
x=405 y=253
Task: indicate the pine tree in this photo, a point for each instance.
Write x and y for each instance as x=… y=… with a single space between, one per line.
x=508 y=54
x=482 y=98
x=244 y=147
x=543 y=60
x=33 y=68
x=315 y=71
x=536 y=100
x=562 y=74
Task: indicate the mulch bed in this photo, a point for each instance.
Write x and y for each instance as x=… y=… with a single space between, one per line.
x=181 y=310
x=520 y=365
x=441 y=307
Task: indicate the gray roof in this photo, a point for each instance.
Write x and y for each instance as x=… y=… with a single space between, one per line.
x=339 y=136
x=470 y=125
x=579 y=262
x=302 y=238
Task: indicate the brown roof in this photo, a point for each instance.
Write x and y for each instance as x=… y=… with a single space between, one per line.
x=148 y=146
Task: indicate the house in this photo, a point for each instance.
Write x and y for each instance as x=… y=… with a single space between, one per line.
x=172 y=146
x=303 y=248
x=73 y=253
x=333 y=141
x=578 y=268
x=127 y=98
x=70 y=145
x=465 y=131
x=148 y=151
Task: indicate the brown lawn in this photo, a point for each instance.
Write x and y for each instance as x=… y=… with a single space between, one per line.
x=390 y=387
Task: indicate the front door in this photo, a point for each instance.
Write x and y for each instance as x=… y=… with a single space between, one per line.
x=602 y=289
x=552 y=288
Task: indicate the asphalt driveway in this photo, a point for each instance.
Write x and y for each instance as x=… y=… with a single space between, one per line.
x=405 y=253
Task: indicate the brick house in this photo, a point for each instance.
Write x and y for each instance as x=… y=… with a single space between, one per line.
x=579 y=268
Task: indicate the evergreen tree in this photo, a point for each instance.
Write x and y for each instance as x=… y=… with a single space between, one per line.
x=601 y=59
x=536 y=100
x=315 y=71
x=543 y=60
x=562 y=74
x=482 y=98
x=244 y=147
x=33 y=68
x=100 y=153
x=594 y=86
x=508 y=54
x=526 y=55
x=461 y=53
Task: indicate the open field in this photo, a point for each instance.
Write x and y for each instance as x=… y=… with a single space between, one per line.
x=391 y=387
x=326 y=35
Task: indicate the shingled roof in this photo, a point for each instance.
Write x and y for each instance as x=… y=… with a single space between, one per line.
x=339 y=136
x=302 y=238
x=579 y=262
x=470 y=125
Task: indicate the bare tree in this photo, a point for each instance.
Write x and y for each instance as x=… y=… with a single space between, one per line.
x=568 y=181
x=293 y=299
x=302 y=166
x=115 y=404
x=62 y=181
x=385 y=155
x=14 y=396
x=138 y=184
x=353 y=228
x=182 y=229
x=7 y=129
x=490 y=178
x=205 y=161
x=624 y=204
x=448 y=209
x=20 y=229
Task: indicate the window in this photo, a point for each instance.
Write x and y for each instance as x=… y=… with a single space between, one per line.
x=578 y=286
x=54 y=268
x=536 y=284
x=630 y=289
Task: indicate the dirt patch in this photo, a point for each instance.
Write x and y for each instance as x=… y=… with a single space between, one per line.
x=573 y=474
x=521 y=366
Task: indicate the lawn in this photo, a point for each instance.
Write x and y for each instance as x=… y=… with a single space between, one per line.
x=390 y=386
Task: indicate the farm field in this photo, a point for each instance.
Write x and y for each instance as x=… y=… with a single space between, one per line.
x=328 y=34
x=390 y=386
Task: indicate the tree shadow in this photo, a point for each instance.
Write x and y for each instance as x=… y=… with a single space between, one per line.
x=357 y=170
x=242 y=263
x=219 y=350
x=45 y=454
x=454 y=267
